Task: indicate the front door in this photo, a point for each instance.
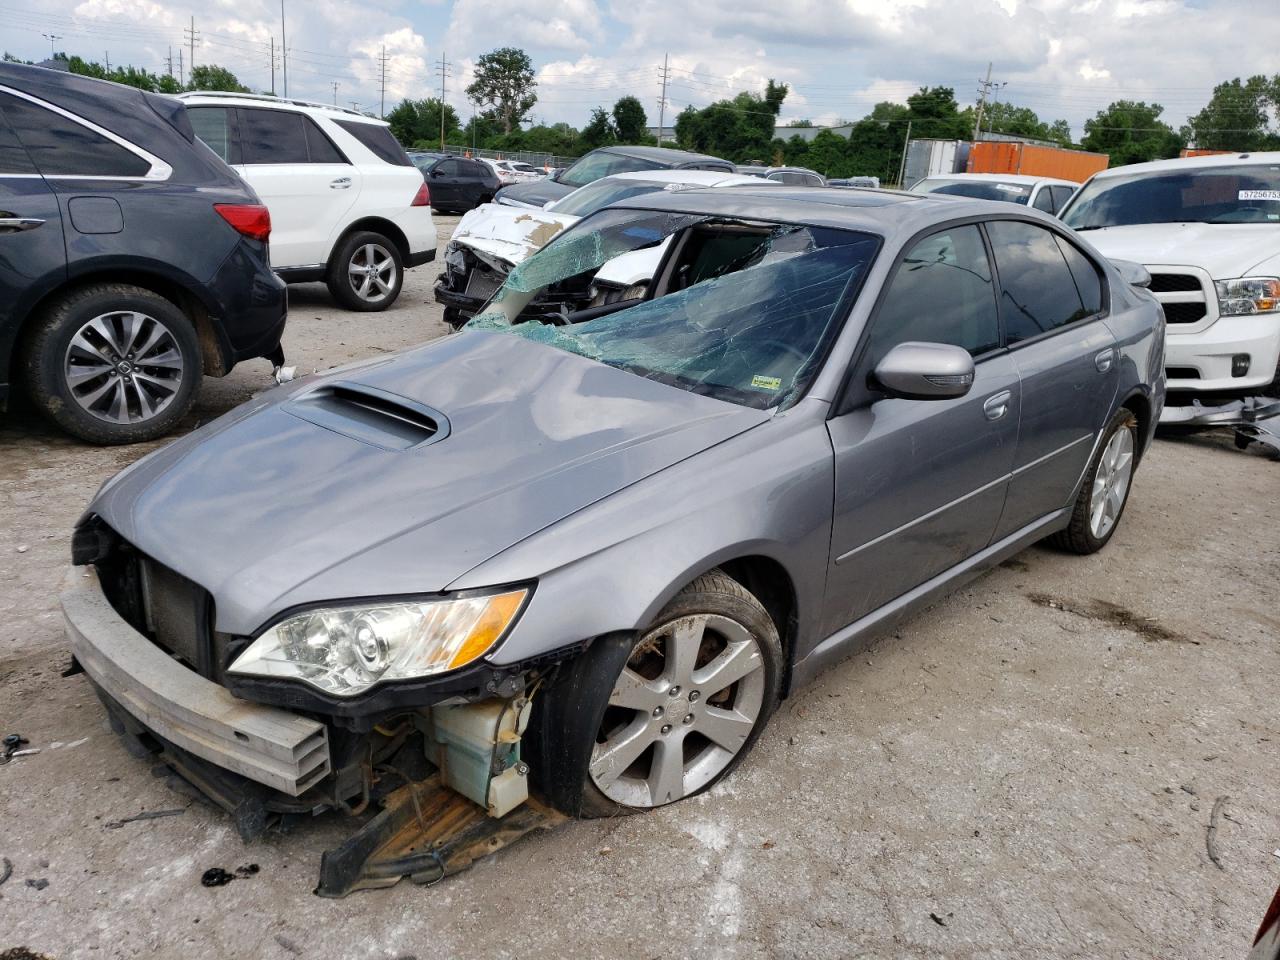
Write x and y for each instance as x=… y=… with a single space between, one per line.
x=445 y=183
x=920 y=483
x=1051 y=301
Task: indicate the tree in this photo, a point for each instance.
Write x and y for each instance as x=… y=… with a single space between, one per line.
x=597 y=133
x=1238 y=117
x=934 y=114
x=504 y=82
x=213 y=77
x=414 y=121
x=1131 y=132
x=630 y=123
x=1023 y=122
x=739 y=129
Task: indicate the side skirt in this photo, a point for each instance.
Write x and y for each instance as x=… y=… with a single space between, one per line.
x=847 y=641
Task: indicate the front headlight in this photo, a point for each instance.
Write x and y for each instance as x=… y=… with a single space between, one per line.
x=344 y=650
x=1248 y=295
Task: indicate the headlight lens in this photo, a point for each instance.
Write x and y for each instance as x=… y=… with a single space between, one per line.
x=1248 y=295
x=344 y=650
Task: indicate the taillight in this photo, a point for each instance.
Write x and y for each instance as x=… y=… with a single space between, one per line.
x=423 y=197
x=251 y=219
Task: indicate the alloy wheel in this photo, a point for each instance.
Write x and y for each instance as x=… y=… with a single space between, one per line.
x=683 y=707
x=123 y=367
x=372 y=272
x=1111 y=482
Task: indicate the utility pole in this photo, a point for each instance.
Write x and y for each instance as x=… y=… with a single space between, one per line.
x=273 y=65
x=902 y=167
x=382 y=66
x=334 y=84
x=443 y=70
x=284 y=50
x=662 y=101
x=181 y=81
x=107 y=55
x=355 y=105
x=995 y=102
x=168 y=61
x=51 y=37
x=984 y=86
x=192 y=36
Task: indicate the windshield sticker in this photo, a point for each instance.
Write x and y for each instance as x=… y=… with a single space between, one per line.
x=1009 y=187
x=766 y=383
x=1273 y=195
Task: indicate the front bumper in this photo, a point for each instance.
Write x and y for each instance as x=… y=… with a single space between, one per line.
x=270 y=746
x=1209 y=354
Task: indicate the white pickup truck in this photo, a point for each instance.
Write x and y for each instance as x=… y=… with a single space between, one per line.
x=1208 y=231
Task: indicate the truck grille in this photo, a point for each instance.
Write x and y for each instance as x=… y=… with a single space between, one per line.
x=1174 y=283
x=1184 y=312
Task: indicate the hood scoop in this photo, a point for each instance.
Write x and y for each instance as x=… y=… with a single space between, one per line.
x=369 y=415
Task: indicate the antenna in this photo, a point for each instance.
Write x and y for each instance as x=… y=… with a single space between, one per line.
x=443 y=70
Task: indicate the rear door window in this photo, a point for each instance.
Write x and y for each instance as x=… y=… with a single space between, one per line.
x=13 y=158
x=272 y=136
x=1044 y=201
x=1060 y=196
x=1037 y=291
x=216 y=126
x=320 y=148
x=61 y=147
x=378 y=140
x=1085 y=274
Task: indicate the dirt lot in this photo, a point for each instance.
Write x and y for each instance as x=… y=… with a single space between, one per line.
x=1027 y=770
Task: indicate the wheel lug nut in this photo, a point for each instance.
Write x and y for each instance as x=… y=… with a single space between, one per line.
x=693 y=696
x=657 y=711
x=666 y=728
x=674 y=691
x=688 y=718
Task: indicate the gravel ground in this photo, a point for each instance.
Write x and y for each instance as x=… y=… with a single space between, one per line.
x=1027 y=769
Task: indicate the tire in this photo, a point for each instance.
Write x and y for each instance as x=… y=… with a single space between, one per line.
x=454 y=318
x=1109 y=477
x=590 y=716
x=81 y=373
x=365 y=251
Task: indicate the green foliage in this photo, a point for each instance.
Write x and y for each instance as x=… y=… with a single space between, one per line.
x=1131 y=132
x=630 y=123
x=414 y=121
x=1238 y=116
x=738 y=129
x=504 y=83
x=598 y=132
x=212 y=77
x=1023 y=122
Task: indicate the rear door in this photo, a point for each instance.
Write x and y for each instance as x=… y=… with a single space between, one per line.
x=33 y=258
x=306 y=182
x=1051 y=304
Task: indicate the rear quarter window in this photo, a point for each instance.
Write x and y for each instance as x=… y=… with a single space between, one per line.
x=378 y=140
x=61 y=147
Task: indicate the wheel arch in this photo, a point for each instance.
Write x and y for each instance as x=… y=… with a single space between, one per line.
x=374 y=225
x=1139 y=404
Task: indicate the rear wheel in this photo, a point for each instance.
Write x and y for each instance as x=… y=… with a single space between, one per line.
x=366 y=272
x=1105 y=490
x=632 y=725
x=113 y=363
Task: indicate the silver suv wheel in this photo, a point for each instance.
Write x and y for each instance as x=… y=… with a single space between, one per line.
x=683 y=707
x=123 y=367
x=372 y=272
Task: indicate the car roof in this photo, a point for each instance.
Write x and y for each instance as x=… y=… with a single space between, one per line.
x=664 y=155
x=703 y=178
x=874 y=211
x=1022 y=178
x=278 y=103
x=1193 y=163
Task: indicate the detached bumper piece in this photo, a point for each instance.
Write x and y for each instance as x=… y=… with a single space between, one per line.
x=426 y=832
x=1254 y=419
x=268 y=745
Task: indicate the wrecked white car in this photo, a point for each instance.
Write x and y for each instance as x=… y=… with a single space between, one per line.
x=493 y=238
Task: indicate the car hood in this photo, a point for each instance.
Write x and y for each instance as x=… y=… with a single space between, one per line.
x=512 y=234
x=537 y=193
x=1225 y=250
x=268 y=510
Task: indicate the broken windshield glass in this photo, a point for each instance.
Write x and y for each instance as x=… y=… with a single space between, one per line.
x=738 y=310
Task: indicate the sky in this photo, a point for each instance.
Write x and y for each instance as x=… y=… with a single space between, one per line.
x=1062 y=58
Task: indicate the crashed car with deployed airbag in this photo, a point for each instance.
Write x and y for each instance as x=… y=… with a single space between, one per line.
x=567 y=565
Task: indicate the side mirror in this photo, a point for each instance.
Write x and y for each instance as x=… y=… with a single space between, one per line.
x=437 y=173
x=925 y=371
x=1133 y=273
x=548 y=205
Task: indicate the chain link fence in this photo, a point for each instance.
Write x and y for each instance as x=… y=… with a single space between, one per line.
x=544 y=160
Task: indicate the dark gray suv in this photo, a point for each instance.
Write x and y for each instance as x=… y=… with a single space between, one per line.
x=133 y=261
x=592 y=548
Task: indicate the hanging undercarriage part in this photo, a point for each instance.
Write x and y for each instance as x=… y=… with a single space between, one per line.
x=1254 y=419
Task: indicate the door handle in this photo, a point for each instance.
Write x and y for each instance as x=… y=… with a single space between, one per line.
x=18 y=224
x=997 y=405
x=342 y=183
x=1103 y=360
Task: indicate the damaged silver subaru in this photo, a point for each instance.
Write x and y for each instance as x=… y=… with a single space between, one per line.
x=567 y=561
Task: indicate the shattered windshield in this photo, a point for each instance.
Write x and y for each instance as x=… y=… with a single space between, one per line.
x=737 y=310
x=1236 y=194
x=587 y=200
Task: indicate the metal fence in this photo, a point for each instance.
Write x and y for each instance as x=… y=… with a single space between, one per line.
x=548 y=160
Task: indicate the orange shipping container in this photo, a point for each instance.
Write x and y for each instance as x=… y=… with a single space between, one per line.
x=997 y=156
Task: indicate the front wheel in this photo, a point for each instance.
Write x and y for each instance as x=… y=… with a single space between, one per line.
x=635 y=724
x=1105 y=490
x=113 y=363
x=366 y=272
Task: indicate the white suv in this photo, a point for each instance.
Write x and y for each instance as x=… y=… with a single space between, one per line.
x=1208 y=231
x=347 y=205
